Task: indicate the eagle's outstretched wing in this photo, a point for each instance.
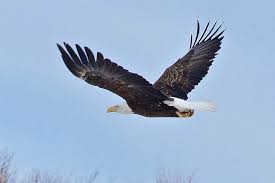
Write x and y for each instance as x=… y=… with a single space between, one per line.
x=179 y=79
x=108 y=75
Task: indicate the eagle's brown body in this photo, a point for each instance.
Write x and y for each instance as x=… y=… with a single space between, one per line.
x=153 y=109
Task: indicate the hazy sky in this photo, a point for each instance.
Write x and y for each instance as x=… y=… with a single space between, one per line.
x=53 y=121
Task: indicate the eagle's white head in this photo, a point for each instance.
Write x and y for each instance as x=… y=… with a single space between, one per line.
x=122 y=109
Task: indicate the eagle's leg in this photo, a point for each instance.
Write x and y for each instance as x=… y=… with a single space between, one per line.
x=185 y=114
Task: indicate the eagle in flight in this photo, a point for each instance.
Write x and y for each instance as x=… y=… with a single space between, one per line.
x=167 y=97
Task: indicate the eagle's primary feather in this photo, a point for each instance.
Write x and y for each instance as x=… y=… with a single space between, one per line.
x=141 y=96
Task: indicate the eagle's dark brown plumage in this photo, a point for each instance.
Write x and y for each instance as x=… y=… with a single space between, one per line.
x=141 y=96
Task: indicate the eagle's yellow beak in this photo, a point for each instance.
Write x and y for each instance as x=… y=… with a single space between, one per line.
x=112 y=109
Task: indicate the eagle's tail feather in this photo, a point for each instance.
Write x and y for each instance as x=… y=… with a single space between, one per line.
x=182 y=105
x=204 y=106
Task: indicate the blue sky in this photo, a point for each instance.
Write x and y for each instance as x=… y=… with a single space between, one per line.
x=56 y=122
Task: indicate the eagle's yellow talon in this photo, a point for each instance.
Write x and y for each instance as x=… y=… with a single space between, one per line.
x=185 y=114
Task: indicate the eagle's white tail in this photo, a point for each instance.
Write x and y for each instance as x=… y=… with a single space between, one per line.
x=182 y=105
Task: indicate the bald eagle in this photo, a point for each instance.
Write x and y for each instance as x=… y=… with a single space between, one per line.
x=167 y=97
